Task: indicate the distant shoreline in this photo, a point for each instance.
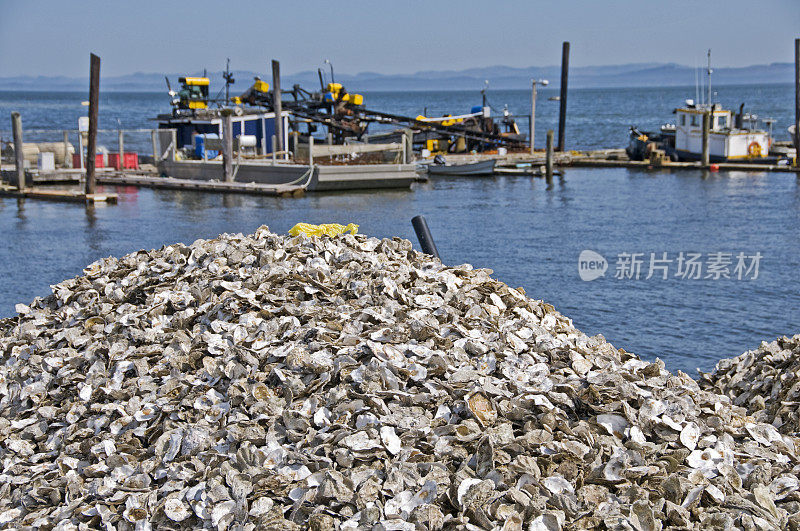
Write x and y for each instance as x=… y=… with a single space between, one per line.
x=115 y=90
x=633 y=75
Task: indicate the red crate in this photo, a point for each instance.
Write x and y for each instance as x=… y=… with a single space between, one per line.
x=130 y=161
x=98 y=160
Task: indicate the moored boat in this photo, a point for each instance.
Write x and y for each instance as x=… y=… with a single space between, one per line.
x=732 y=137
x=473 y=169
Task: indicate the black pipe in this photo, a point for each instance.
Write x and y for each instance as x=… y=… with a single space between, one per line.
x=562 y=112
x=739 y=122
x=424 y=236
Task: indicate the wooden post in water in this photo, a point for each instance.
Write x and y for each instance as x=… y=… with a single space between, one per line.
x=797 y=102
x=706 y=158
x=277 y=103
x=562 y=113
x=310 y=150
x=408 y=146
x=274 y=148
x=154 y=141
x=227 y=145
x=19 y=155
x=94 y=97
x=295 y=143
x=173 y=135
x=533 y=112
x=548 y=161
x=121 y=149
x=67 y=162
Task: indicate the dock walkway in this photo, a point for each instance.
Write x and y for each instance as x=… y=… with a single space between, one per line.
x=171 y=183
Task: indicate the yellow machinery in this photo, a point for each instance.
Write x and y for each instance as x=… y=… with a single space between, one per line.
x=193 y=93
x=336 y=92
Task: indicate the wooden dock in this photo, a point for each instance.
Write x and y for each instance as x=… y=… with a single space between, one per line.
x=72 y=196
x=169 y=183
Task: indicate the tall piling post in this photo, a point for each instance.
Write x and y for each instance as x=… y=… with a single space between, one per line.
x=67 y=162
x=227 y=145
x=310 y=150
x=548 y=160
x=121 y=150
x=533 y=112
x=154 y=141
x=706 y=158
x=562 y=112
x=19 y=155
x=277 y=103
x=295 y=143
x=173 y=152
x=408 y=146
x=797 y=102
x=274 y=141
x=94 y=100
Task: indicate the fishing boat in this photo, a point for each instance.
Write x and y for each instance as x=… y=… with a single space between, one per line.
x=732 y=137
x=480 y=168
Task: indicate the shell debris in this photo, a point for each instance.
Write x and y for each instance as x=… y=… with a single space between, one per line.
x=274 y=382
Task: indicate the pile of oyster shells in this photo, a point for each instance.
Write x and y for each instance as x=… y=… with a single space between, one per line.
x=267 y=381
x=765 y=381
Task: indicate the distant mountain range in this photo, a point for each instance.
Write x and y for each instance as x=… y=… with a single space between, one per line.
x=499 y=77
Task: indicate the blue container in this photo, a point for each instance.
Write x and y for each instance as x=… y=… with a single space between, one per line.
x=199 y=147
x=476 y=108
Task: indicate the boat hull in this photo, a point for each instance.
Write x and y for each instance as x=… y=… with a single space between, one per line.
x=688 y=156
x=323 y=178
x=474 y=169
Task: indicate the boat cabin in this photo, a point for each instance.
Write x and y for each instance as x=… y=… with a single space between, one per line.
x=726 y=141
x=250 y=122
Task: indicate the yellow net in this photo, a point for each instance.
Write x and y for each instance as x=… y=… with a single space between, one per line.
x=326 y=229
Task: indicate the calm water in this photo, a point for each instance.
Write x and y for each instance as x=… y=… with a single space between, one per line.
x=529 y=235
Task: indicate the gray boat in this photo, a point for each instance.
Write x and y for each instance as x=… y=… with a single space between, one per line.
x=472 y=169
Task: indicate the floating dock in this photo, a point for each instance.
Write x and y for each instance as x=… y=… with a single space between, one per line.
x=316 y=178
x=170 y=183
x=72 y=196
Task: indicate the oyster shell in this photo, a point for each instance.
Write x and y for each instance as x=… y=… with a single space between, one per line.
x=271 y=382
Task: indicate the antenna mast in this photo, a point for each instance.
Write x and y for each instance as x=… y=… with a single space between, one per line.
x=228 y=80
x=709 y=71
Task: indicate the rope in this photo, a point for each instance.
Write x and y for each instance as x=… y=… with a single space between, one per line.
x=307 y=175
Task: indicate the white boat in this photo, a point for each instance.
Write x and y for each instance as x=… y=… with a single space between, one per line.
x=730 y=138
x=472 y=169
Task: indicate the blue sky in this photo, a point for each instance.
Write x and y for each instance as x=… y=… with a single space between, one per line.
x=47 y=37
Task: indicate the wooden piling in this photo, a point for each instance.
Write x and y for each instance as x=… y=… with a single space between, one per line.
x=19 y=156
x=94 y=100
x=227 y=145
x=330 y=139
x=310 y=150
x=562 y=113
x=173 y=135
x=548 y=161
x=295 y=143
x=408 y=146
x=797 y=101
x=277 y=103
x=274 y=148
x=154 y=141
x=706 y=158
x=121 y=150
x=67 y=162
x=533 y=112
